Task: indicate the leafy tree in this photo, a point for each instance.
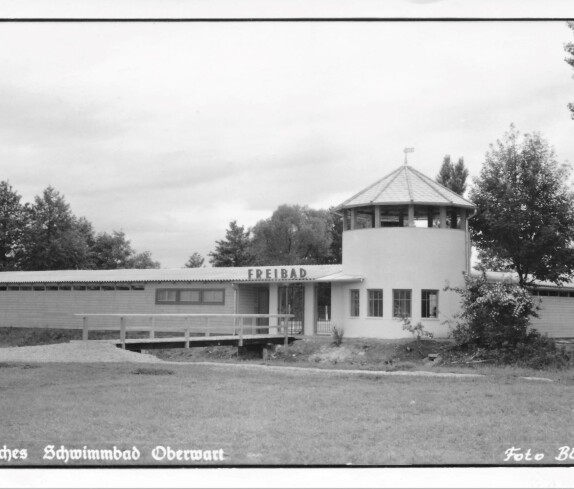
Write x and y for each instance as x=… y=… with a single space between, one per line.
x=12 y=222
x=142 y=260
x=195 y=261
x=234 y=250
x=53 y=239
x=525 y=209
x=453 y=176
x=335 y=255
x=293 y=235
x=112 y=251
x=569 y=47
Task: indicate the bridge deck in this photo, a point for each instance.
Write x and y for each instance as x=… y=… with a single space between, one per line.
x=139 y=344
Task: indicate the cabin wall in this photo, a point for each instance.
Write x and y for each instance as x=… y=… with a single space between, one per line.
x=57 y=309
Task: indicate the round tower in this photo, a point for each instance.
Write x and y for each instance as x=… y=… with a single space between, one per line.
x=407 y=236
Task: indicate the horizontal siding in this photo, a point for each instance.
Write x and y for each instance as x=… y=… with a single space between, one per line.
x=556 y=316
x=56 y=309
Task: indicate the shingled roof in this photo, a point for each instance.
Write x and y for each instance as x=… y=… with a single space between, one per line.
x=406 y=185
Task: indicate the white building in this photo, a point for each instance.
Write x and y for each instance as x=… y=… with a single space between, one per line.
x=405 y=239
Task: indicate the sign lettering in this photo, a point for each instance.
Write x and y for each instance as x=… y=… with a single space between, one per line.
x=276 y=274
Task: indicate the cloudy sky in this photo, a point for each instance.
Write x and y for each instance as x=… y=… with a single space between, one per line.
x=168 y=131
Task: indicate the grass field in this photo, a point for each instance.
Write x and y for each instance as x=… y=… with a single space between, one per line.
x=268 y=418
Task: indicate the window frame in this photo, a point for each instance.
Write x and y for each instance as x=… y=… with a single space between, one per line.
x=179 y=302
x=375 y=304
x=427 y=303
x=355 y=303
x=401 y=300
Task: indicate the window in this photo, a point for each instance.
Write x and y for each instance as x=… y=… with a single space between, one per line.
x=401 y=303
x=355 y=302
x=429 y=304
x=167 y=295
x=213 y=296
x=190 y=296
x=376 y=303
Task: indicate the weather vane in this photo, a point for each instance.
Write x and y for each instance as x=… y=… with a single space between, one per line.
x=407 y=150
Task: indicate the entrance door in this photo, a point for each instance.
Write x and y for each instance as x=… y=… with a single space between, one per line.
x=323 y=319
x=292 y=301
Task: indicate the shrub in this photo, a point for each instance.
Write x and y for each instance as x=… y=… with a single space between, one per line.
x=494 y=324
x=418 y=330
x=493 y=314
x=337 y=335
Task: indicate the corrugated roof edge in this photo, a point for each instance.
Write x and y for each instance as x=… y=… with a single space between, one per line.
x=227 y=274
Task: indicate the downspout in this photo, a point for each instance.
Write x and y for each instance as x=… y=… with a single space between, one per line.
x=467 y=241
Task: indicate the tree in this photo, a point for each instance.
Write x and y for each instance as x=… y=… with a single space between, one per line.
x=53 y=239
x=525 y=215
x=453 y=176
x=293 y=235
x=336 y=230
x=142 y=260
x=195 y=261
x=234 y=250
x=569 y=48
x=112 y=251
x=12 y=223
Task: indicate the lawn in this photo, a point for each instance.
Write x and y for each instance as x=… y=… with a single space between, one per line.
x=263 y=417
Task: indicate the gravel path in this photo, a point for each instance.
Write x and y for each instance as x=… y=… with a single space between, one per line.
x=75 y=351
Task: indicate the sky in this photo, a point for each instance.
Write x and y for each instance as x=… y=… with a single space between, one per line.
x=169 y=131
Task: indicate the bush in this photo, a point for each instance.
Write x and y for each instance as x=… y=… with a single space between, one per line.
x=494 y=325
x=492 y=314
x=418 y=331
x=337 y=335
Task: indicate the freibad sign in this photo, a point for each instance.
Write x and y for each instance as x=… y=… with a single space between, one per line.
x=276 y=273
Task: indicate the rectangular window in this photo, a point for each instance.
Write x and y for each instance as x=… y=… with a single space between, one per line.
x=355 y=303
x=190 y=296
x=213 y=296
x=167 y=295
x=401 y=303
x=376 y=303
x=429 y=303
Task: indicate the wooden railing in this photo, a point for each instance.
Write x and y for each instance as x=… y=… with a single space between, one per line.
x=238 y=327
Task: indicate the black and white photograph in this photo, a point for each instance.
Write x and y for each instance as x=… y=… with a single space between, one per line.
x=326 y=238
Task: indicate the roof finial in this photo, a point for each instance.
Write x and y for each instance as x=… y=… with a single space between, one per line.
x=407 y=150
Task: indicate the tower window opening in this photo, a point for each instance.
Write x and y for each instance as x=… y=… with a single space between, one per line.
x=394 y=216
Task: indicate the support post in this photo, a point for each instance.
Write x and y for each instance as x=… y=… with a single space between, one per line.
x=188 y=327
x=207 y=326
x=377 y=216
x=240 y=331
x=443 y=217
x=286 y=330
x=84 y=328
x=123 y=332
x=411 y=215
x=151 y=327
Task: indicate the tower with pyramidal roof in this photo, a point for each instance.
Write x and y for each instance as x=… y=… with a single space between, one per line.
x=408 y=237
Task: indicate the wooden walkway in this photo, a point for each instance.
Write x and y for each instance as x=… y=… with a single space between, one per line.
x=250 y=340
x=195 y=335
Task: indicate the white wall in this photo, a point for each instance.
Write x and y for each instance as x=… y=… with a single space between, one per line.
x=400 y=258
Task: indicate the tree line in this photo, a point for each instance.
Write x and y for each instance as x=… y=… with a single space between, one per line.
x=46 y=235
x=293 y=235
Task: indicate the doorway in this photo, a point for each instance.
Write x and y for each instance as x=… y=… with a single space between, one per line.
x=323 y=318
x=292 y=301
